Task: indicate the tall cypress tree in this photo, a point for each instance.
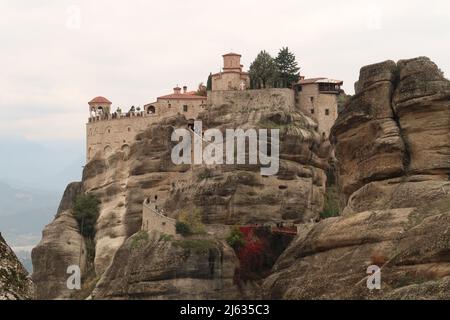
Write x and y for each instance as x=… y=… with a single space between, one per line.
x=209 y=83
x=287 y=68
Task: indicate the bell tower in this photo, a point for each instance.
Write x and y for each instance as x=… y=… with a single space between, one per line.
x=99 y=106
x=232 y=62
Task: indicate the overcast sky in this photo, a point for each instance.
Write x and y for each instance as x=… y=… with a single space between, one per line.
x=53 y=63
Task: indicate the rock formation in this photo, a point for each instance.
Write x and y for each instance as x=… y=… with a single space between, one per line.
x=392 y=145
x=61 y=246
x=152 y=267
x=224 y=195
x=392 y=142
x=14 y=281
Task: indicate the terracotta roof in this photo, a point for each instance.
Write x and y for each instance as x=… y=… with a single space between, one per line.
x=100 y=100
x=232 y=54
x=181 y=96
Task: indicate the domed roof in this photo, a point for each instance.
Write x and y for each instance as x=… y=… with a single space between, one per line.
x=100 y=100
x=231 y=54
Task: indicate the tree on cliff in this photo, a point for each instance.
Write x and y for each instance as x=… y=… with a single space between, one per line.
x=263 y=71
x=287 y=68
x=86 y=213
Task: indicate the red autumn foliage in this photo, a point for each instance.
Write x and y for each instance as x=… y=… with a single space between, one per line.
x=259 y=253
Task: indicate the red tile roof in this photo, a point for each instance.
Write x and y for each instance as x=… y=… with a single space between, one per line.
x=100 y=100
x=182 y=96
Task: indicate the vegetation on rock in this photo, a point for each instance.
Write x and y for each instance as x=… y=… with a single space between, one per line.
x=236 y=239
x=189 y=223
x=183 y=228
x=287 y=69
x=263 y=71
x=86 y=213
x=279 y=72
x=139 y=239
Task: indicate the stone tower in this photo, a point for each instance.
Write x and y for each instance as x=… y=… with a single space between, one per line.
x=231 y=77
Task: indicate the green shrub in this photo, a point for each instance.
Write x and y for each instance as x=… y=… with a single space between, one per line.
x=183 y=228
x=235 y=238
x=205 y=174
x=86 y=213
x=331 y=205
x=166 y=237
x=139 y=239
x=193 y=220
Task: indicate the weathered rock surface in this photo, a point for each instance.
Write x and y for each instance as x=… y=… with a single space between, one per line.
x=224 y=195
x=392 y=145
x=396 y=125
x=331 y=260
x=155 y=268
x=61 y=246
x=14 y=281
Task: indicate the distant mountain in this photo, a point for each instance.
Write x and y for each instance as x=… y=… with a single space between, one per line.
x=33 y=177
x=24 y=213
x=41 y=166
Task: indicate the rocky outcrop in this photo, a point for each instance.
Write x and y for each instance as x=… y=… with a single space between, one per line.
x=224 y=195
x=392 y=144
x=150 y=266
x=397 y=125
x=14 y=281
x=61 y=246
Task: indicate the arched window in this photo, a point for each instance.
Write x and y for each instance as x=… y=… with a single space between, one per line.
x=107 y=150
x=151 y=109
x=126 y=149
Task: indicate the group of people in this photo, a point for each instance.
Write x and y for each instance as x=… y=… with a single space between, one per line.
x=99 y=114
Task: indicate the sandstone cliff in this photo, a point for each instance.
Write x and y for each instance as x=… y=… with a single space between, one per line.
x=61 y=246
x=392 y=142
x=152 y=267
x=224 y=195
x=14 y=281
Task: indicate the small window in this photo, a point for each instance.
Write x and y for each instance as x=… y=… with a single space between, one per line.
x=327 y=112
x=185 y=108
x=312 y=99
x=163 y=223
x=129 y=129
x=312 y=111
x=169 y=105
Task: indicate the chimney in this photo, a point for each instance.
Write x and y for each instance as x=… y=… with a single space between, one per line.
x=177 y=90
x=184 y=89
